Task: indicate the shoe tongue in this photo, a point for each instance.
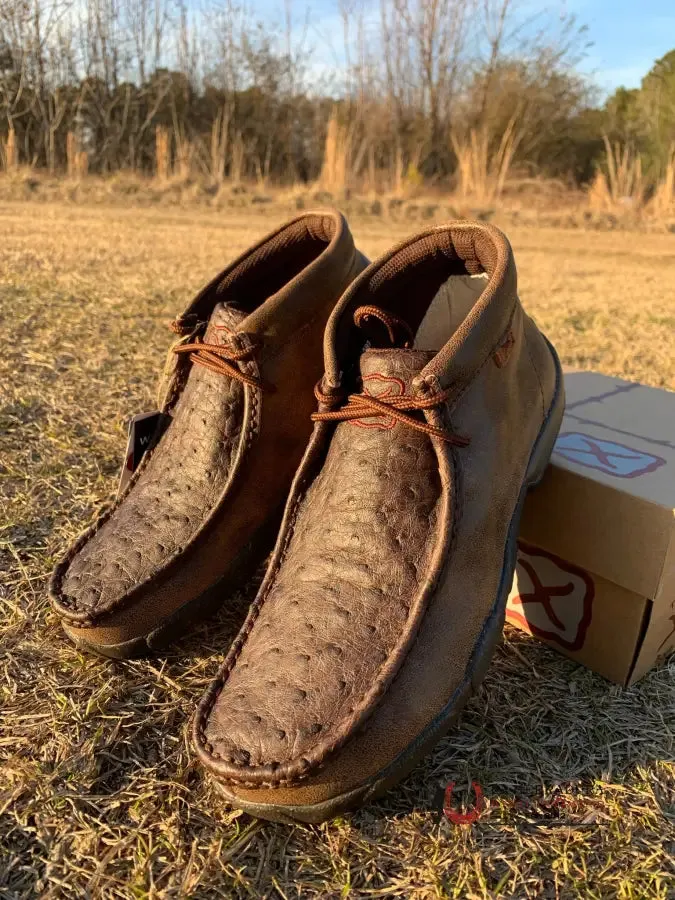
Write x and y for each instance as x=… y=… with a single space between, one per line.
x=392 y=371
x=223 y=322
x=388 y=370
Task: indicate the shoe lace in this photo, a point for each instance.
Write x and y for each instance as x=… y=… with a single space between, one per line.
x=390 y=322
x=221 y=358
x=363 y=405
x=360 y=406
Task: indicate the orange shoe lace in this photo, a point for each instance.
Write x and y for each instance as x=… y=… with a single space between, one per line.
x=219 y=358
x=361 y=406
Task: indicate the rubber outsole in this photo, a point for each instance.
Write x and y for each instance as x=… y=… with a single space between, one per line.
x=207 y=604
x=480 y=660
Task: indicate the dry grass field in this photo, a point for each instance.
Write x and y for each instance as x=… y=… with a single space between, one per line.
x=99 y=793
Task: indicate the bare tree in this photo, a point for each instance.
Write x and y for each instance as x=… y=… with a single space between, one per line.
x=425 y=56
x=239 y=96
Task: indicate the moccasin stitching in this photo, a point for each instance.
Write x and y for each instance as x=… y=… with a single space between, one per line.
x=300 y=768
x=68 y=606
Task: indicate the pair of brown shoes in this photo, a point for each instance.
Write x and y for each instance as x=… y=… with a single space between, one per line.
x=438 y=408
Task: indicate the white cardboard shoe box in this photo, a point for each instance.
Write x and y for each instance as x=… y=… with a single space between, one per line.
x=595 y=577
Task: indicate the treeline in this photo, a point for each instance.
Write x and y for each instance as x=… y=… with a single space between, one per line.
x=644 y=119
x=411 y=90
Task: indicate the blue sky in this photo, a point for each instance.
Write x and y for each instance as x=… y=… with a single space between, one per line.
x=627 y=36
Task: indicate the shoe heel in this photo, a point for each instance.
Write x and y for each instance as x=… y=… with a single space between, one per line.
x=543 y=448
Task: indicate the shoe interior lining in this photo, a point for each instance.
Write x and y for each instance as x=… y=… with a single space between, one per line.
x=449 y=307
x=280 y=259
x=431 y=284
x=434 y=269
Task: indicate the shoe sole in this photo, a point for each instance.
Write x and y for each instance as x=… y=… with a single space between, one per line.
x=206 y=604
x=480 y=660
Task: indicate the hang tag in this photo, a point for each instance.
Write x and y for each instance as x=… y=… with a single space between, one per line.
x=142 y=432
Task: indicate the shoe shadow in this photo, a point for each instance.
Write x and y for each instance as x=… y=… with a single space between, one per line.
x=541 y=730
x=539 y=733
x=209 y=640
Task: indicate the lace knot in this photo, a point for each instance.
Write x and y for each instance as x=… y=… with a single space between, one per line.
x=397 y=409
x=221 y=358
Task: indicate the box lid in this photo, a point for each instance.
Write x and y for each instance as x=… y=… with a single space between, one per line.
x=607 y=501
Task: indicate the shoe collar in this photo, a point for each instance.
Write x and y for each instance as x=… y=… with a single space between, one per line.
x=407 y=277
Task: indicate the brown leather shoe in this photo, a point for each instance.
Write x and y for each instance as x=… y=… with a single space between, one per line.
x=199 y=509
x=385 y=596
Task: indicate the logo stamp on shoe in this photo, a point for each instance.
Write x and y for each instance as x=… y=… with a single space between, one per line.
x=551 y=598
x=606 y=456
x=383 y=387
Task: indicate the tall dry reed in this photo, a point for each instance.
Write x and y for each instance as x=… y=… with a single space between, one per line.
x=335 y=171
x=220 y=141
x=622 y=186
x=162 y=153
x=482 y=167
x=237 y=159
x=397 y=172
x=81 y=164
x=185 y=153
x=72 y=155
x=663 y=201
x=10 y=151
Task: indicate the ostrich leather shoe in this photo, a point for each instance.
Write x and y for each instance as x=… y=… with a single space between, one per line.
x=198 y=511
x=385 y=595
